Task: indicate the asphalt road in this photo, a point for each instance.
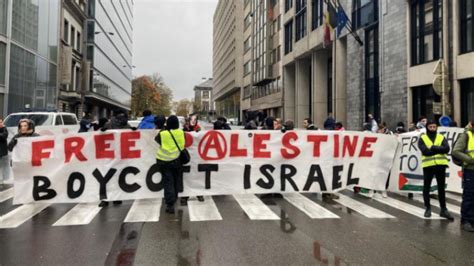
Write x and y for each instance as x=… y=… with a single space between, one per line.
x=234 y=230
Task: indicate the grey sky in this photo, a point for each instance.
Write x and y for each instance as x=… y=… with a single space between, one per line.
x=174 y=38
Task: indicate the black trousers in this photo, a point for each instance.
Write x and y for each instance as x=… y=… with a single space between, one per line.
x=172 y=180
x=467 y=205
x=438 y=171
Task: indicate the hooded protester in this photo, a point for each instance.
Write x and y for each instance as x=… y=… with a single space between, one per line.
x=171 y=141
x=86 y=123
x=330 y=123
x=4 y=173
x=434 y=149
x=269 y=123
x=26 y=128
x=148 y=121
x=160 y=122
x=308 y=124
x=101 y=124
x=400 y=129
x=223 y=123
x=118 y=121
x=251 y=121
x=464 y=151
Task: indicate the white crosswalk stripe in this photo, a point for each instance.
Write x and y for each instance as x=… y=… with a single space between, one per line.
x=81 y=214
x=21 y=214
x=144 y=210
x=203 y=211
x=255 y=208
x=454 y=197
x=309 y=207
x=6 y=195
x=406 y=207
x=361 y=208
x=434 y=202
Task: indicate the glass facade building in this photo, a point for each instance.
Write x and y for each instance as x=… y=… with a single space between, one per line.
x=29 y=46
x=109 y=49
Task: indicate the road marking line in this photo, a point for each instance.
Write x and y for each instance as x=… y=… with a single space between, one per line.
x=255 y=208
x=435 y=202
x=406 y=207
x=144 y=210
x=203 y=211
x=311 y=208
x=455 y=197
x=6 y=195
x=361 y=208
x=81 y=214
x=21 y=214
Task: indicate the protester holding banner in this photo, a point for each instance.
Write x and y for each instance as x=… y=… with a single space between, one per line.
x=3 y=153
x=148 y=121
x=269 y=123
x=160 y=122
x=277 y=124
x=434 y=149
x=192 y=126
x=171 y=142
x=86 y=123
x=464 y=151
x=26 y=128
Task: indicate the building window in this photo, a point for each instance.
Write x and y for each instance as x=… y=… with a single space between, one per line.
x=372 y=92
x=66 y=31
x=247 y=68
x=426 y=25
x=248 y=44
x=288 y=5
x=467 y=27
x=73 y=37
x=317 y=13
x=300 y=18
x=467 y=101
x=248 y=20
x=329 y=86
x=78 y=42
x=3 y=16
x=289 y=37
x=423 y=99
x=205 y=95
x=364 y=12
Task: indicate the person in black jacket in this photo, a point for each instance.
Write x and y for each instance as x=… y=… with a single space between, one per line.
x=26 y=128
x=434 y=149
x=308 y=124
x=3 y=153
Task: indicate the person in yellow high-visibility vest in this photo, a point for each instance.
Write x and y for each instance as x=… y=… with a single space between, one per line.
x=434 y=149
x=167 y=157
x=464 y=151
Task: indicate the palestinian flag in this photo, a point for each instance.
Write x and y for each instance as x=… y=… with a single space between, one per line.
x=413 y=182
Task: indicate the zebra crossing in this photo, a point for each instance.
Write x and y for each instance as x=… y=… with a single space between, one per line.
x=148 y=210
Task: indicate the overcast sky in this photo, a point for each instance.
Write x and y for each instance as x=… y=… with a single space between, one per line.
x=174 y=38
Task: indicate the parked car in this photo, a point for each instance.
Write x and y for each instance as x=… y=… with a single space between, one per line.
x=47 y=123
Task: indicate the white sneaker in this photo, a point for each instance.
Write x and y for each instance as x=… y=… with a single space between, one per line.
x=370 y=194
x=384 y=194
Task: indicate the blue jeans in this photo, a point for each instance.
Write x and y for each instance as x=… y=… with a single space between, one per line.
x=467 y=205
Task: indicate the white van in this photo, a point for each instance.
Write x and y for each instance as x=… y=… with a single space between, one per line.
x=46 y=123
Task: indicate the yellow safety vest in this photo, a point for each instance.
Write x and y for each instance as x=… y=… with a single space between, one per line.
x=470 y=144
x=168 y=151
x=438 y=159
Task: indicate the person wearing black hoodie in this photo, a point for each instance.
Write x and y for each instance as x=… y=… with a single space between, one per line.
x=4 y=168
x=434 y=149
x=171 y=141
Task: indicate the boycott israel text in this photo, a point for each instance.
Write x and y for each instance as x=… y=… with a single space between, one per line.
x=121 y=165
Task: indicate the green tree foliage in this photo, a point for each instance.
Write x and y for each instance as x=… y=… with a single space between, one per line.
x=151 y=92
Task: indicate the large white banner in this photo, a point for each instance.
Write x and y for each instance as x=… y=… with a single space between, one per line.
x=121 y=165
x=407 y=173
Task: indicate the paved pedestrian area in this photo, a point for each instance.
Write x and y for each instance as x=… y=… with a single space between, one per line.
x=235 y=230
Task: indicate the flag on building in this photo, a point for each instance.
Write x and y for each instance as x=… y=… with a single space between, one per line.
x=330 y=23
x=341 y=20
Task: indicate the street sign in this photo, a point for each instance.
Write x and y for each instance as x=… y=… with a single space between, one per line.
x=437 y=108
x=438 y=84
x=438 y=70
